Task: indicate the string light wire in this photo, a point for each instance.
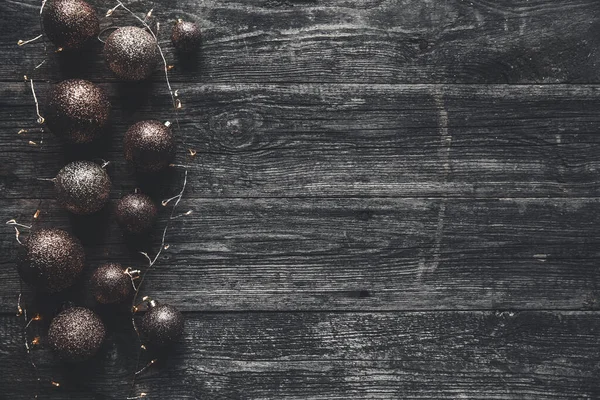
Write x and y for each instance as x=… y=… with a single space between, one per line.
x=176 y=103
x=133 y=274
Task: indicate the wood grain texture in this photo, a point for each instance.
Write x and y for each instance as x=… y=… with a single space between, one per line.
x=352 y=254
x=374 y=41
x=342 y=140
x=374 y=180
x=449 y=355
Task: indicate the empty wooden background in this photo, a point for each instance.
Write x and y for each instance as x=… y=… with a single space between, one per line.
x=390 y=199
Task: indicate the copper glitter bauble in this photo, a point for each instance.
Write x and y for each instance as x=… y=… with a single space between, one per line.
x=131 y=53
x=185 y=36
x=82 y=187
x=51 y=260
x=77 y=111
x=161 y=326
x=76 y=334
x=69 y=24
x=136 y=213
x=149 y=146
x=110 y=284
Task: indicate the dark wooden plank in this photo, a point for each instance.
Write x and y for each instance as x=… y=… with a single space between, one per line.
x=343 y=140
x=450 y=355
x=507 y=41
x=352 y=254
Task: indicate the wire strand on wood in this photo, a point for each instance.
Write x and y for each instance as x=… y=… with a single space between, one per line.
x=15 y=225
x=24 y=42
x=160 y=51
x=151 y=263
x=176 y=103
x=145 y=367
x=40 y=119
x=25 y=338
x=22 y=310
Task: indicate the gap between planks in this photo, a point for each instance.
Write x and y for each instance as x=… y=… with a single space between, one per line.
x=570 y=311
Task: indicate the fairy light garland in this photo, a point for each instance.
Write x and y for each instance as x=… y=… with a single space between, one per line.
x=136 y=276
x=22 y=309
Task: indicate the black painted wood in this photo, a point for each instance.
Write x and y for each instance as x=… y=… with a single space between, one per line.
x=372 y=41
x=420 y=355
x=354 y=254
x=374 y=183
x=344 y=140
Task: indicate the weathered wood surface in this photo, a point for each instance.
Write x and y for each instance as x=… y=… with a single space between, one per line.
x=370 y=191
x=373 y=41
x=344 y=140
x=353 y=254
x=414 y=355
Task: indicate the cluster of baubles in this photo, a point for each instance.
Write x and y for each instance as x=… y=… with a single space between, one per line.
x=77 y=112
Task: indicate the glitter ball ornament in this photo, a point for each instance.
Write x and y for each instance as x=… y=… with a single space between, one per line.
x=77 y=111
x=185 y=36
x=149 y=146
x=161 y=326
x=131 y=53
x=82 y=187
x=110 y=284
x=50 y=260
x=69 y=24
x=76 y=334
x=136 y=213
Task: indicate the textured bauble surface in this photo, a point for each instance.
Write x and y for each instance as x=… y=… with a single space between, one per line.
x=51 y=260
x=76 y=334
x=185 y=36
x=69 y=24
x=161 y=326
x=131 y=53
x=110 y=284
x=136 y=213
x=77 y=111
x=82 y=187
x=149 y=146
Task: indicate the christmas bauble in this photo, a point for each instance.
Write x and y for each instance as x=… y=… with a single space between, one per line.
x=110 y=284
x=149 y=145
x=185 y=36
x=51 y=260
x=77 y=111
x=76 y=334
x=136 y=213
x=131 y=53
x=82 y=187
x=161 y=326
x=69 y=23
